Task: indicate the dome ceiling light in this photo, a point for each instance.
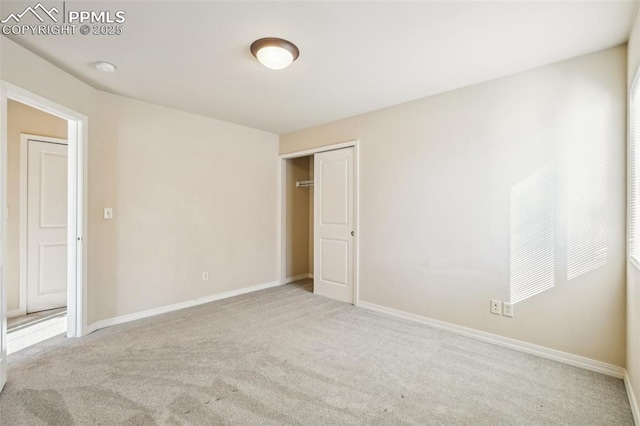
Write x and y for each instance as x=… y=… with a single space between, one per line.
x=274 y=53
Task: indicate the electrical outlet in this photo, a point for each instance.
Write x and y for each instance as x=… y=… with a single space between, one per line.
x=496 y=307
x=507 y=309
x=205 y=276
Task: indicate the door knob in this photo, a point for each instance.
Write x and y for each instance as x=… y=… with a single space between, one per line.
x=353 y=233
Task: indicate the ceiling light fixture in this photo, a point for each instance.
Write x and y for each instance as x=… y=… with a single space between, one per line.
x=274 y=53
x=105 y=66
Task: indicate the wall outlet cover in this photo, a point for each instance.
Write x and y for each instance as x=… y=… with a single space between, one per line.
x=496 y=307
x=507 y=309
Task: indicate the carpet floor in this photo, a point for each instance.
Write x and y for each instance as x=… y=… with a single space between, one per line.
x=286 y=356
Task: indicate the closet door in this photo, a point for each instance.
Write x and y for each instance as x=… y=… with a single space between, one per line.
x=334 y=224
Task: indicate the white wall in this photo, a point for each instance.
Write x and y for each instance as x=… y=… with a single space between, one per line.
x=436 y=179
x=190 y=194
x=633 y=273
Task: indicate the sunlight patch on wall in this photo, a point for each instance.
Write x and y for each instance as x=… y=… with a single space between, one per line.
x=533 y=234
x=587 y=211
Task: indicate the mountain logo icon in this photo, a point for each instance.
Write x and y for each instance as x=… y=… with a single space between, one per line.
x=38 y=11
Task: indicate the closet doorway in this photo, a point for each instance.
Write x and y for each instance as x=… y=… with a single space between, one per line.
x=319 y=221
x=299 y=224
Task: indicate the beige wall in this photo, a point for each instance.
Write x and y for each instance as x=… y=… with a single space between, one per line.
x=21 y=119
x=436 y=177
x=298 y=223
x=191 y=194
x=633 y=273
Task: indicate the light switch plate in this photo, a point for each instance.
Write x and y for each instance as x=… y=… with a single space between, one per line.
x=108 y=213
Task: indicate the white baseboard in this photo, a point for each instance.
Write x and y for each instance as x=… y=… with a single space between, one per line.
x=632 y=399
x=36 y=333
x=541 y=351
x=297 y=278
x=16 y=313
x=176 y=306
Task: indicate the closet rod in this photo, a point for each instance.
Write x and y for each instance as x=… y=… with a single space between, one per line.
x=304 y=183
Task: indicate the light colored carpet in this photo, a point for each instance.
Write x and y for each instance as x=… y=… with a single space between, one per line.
x=286 y=356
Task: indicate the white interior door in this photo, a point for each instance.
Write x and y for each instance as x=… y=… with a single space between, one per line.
x=334 y=224
x=46 y=226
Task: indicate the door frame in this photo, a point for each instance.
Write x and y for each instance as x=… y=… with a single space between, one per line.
x=282 y=208
x=24 y=165
x=77 y=137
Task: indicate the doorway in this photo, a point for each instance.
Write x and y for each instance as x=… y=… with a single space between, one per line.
x=77 y=133
x=299 y=222
x=319 y=227
x=36 y=260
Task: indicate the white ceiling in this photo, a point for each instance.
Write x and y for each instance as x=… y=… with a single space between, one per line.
x=354 y=56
